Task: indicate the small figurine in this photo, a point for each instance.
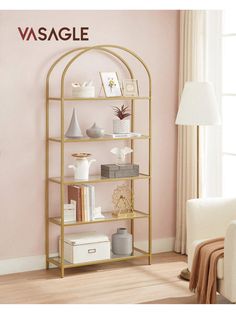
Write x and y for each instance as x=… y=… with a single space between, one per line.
x=121 y=153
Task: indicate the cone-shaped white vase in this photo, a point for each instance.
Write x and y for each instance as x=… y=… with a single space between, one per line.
x=74 y=128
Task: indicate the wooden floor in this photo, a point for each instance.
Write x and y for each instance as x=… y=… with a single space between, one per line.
x=121 y=282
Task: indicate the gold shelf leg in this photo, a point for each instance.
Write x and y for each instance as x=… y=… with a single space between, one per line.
x=132 y=161
x=47 y=182
x=62 y=186
x=62 y=271
x=149 y=181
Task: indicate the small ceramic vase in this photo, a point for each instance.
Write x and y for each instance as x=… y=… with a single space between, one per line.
x=122 y=242
x=95 y=131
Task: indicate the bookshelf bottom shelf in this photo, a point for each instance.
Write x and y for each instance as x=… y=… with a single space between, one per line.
x=114 y=258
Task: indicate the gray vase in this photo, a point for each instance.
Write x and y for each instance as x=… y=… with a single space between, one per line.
x=122 y=242
x=95 y=131
x=74 y=130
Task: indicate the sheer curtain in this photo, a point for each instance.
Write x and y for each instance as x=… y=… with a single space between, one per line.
x=212 y=157
x=192 y=67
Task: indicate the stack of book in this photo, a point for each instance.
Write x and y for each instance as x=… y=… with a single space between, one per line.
x=83 y=196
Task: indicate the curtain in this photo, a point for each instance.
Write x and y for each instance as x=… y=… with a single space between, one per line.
x=192 y=68
x=212 y=159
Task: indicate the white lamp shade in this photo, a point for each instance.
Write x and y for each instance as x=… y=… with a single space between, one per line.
x=198 y=105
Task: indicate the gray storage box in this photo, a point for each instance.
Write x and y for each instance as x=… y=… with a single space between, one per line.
x=119 y=171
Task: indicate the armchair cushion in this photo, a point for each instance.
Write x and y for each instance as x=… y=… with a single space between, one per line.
x=208 y=218
x=211 y=218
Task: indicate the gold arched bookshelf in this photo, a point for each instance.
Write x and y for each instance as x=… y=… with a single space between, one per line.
x=112 y=50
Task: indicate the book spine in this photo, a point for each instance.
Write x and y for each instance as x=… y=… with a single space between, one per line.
x=86 y=214
x=87 y=202
x=74 y=195
x=92 y=201
x=82 y=203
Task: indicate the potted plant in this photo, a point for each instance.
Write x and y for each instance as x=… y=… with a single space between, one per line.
x=121 y=125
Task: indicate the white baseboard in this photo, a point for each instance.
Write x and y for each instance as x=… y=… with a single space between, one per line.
x=21 y=264
x=158 y=245
x=29 y=263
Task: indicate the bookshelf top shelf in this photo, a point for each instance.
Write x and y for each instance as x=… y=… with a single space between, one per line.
x=101 y=98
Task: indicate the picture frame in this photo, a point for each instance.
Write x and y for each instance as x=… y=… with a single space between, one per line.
x=110 y=84
x=130 y=87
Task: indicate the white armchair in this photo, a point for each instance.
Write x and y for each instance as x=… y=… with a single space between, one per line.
x=212 y=218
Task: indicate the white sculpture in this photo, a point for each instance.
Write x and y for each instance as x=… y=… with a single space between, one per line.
x=83 y=90
x=121 y=153
x=74 y=130
x=97 y=214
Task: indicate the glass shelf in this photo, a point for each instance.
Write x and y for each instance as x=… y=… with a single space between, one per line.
x=95 y=179
x=108 y=217
x=101 y=98
x=136 y=254
x=100 y=139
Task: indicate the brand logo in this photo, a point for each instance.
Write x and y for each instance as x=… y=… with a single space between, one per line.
x=43 y=33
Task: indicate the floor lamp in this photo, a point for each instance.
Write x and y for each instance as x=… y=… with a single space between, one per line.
x=198 y=106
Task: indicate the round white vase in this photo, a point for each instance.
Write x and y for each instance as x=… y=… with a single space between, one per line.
x=121 y=126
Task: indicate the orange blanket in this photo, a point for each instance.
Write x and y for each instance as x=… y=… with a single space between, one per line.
x=203 y=278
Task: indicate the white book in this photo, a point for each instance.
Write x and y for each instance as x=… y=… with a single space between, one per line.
x=92 y=201
x=86 y=203
x=123 y=135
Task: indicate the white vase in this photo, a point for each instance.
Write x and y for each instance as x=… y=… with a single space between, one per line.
x=74 y=130
x=81 y=168
x=121 y=126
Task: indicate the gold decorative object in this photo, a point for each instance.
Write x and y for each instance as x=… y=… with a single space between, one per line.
x=81 y=155
x=122 y=199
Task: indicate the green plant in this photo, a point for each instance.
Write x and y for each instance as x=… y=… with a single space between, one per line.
x=121 y=112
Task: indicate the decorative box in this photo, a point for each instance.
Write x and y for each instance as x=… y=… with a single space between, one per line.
x=119 y=171
x=86 y=247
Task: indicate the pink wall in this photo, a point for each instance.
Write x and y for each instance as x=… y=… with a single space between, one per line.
x=153 y=35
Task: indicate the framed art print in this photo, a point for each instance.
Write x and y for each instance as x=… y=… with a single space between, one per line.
x=110 y=84
x=130 y=87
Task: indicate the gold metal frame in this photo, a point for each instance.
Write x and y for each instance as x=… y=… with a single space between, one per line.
x=108 y=49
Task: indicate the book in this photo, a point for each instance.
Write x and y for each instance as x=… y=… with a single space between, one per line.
x=123 y=135
x=92 y=201
x=89 y=201
x=83 y=196
x=86 y=203
x=74 y=195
